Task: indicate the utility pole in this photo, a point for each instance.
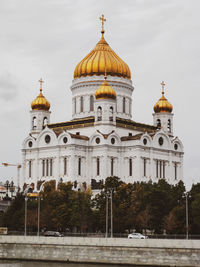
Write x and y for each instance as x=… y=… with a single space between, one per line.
x=107 y=214
x=186 y=215
x=38 y=233
x=111 y=213
x=25 y=219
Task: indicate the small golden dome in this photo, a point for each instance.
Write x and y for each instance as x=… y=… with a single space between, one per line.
x=40 y=102
x=100 y=58
x=105 y=91
x=163 y=104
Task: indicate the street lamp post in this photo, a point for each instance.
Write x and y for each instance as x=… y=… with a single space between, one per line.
x=38 y=233
x=109 y=194
x=186 y=214
x=111 y=213
x=107 y=214
x=25 y=219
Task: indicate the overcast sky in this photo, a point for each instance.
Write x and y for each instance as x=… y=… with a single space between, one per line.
x=158 y=39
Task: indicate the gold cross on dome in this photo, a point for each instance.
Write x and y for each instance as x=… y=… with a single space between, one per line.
x=41 y=82
x=163 y=86
x=102 y=21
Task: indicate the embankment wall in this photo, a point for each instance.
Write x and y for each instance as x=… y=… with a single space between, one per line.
x=154 y=252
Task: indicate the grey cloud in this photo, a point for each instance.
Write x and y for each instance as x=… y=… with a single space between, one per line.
x=8 y=87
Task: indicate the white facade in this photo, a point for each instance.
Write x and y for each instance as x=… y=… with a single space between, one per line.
x=101 y=140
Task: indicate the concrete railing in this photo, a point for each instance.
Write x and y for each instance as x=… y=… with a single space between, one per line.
x=156 y=252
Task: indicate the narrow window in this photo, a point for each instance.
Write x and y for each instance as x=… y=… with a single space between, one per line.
x=112 y=166
x=34 y=125
x=65 y=166
x=43 y=167
x=156 y=168
x=29 y=167
x=175 y=171
x=47 y=167
x=160 y=169
x=145 y=167
x=163 y=169
x=51 y=167
x=99 y=114
x=91 y=103
x=111 y=114
x=130 y=167
x=124 y=102
x=169 y=126
x=81 y=103
x=98 y=166
x=79 y=166
x=45 y=121
x=158 y=123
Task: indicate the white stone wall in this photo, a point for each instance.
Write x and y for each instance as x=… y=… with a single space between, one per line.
x=89 y=150
x=86 y=86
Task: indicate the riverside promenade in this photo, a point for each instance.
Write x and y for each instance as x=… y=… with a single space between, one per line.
x=144 y=252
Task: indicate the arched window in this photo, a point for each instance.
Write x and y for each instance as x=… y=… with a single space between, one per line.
x=111 y=114
x=175 y=170
x=45 y=121
x=158 y=123
x=160 y=169
x=124 y=102
x=30 y=169
x=65 y=166
x=47 y=167
x=145 y=166
x=34 y=123
x=79 y=166
x=43 y=167
x=169 y=125
x=91 y=103
x=112 y=167
x=51 y=167
x=81 y=103
x=130 y=167
x=98 y=166
x=99 y=114
x=130 y=107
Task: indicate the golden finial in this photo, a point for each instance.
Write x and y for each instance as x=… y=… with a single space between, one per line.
x=102 y=22
x=163 y=87
x=41 y=82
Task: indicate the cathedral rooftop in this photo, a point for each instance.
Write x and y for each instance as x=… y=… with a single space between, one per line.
x=89 y=122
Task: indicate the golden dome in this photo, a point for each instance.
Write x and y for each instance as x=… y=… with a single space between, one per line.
x=40 y=102
x=102 y=58
x=105 y=91
x=163 y=104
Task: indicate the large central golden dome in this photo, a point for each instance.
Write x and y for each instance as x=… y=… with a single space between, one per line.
x=102 y=58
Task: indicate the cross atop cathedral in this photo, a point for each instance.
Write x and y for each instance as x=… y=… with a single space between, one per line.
x=163 y=86
x=102 y=22
x=41 y=82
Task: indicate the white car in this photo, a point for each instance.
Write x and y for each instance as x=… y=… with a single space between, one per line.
x=137 y=236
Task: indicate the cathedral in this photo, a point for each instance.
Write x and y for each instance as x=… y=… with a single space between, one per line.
x=101 y=139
